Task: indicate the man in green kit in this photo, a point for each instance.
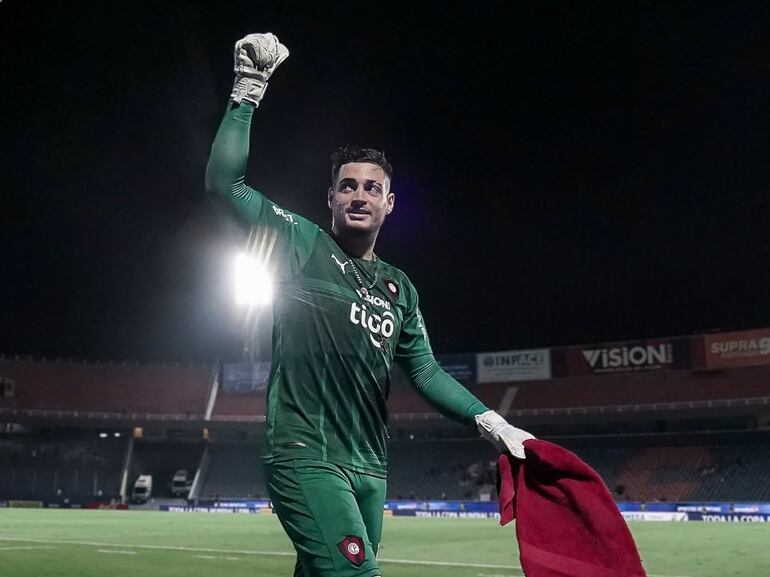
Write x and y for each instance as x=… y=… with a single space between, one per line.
x=342 y=317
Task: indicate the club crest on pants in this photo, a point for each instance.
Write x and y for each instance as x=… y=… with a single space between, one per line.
x=352 y=548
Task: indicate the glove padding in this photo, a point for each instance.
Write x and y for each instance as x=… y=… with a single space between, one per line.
x=256 y=58
x=503 y=435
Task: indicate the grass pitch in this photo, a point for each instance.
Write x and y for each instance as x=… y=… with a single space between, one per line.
x=74 y=543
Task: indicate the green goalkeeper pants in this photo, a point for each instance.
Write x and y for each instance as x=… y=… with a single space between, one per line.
x=332 y=515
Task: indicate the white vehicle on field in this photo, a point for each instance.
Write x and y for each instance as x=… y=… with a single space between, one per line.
x=180 y=483
x=142 y=490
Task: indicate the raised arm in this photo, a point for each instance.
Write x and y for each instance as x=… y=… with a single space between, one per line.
x=226 y=169
x=290 y=236
x=256 y=58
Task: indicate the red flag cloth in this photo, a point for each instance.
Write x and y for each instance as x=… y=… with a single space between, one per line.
x=567 y=523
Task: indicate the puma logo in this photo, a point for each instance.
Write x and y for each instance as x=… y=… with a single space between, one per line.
x=342 y=265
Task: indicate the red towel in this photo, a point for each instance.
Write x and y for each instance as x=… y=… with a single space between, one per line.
x=567 y=523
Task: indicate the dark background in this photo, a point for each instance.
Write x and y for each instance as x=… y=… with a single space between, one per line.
x=564 y=172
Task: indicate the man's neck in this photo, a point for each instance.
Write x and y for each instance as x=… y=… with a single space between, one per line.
x=358 y=246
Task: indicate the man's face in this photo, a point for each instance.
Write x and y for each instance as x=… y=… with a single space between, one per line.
x=360 y=199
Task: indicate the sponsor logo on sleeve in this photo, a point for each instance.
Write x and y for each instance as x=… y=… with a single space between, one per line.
x=421 y=325
x=287 y=216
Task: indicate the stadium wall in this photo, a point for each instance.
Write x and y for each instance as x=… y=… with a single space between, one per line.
x=725 y=373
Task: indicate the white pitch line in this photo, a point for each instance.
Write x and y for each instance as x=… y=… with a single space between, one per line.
x=450 y=564
x=267 y=553
x=29 y=548
x=116 y=552
x=152 y=547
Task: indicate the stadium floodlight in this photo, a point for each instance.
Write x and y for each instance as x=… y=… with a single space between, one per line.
x=102 y=435
x=117 y=435
x=252 y=282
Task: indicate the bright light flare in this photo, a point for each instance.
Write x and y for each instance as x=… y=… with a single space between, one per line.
x=252 y=282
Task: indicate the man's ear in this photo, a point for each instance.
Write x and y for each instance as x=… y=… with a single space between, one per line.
x=391 y=202
x=329 y=196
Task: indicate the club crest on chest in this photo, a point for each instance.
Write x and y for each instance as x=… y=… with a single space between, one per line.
x=392 y=287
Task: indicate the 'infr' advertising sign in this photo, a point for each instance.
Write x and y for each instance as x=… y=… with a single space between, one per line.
x=508 y=366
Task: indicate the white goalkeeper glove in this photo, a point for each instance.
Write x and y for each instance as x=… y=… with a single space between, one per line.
x=256 y=58
x=503 y=435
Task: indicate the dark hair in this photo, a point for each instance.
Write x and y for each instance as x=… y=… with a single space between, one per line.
x=352 y=153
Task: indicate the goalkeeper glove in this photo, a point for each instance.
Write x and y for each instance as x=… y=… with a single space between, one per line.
x=256 y=58
x=504 y=436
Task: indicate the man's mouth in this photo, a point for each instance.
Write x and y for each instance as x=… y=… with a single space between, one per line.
x=358 y=213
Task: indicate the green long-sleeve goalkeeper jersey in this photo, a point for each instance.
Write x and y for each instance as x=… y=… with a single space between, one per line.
x=333 y=344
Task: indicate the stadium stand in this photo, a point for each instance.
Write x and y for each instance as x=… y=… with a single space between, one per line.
x=636 y=428
x=630 y=390
x=162 y=459
x=54 y=467
x=234 y=405
x=648 y=468
x=461 y=469
x=108 y=388
x=646 y=388
x=235 y=471
x=181 y=392
x=654 y=468
x=742 y=472
x=706 y=467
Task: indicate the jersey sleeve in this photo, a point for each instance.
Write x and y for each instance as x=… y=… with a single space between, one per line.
x=285 y=239
x=413 y=341
x=436 y=386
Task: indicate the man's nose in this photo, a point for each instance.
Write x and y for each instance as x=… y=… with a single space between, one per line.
x=359 y=194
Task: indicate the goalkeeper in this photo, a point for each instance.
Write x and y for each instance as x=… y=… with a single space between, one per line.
x=342 y=317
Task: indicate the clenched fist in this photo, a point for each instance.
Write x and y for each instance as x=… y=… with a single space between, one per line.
x=256 y=58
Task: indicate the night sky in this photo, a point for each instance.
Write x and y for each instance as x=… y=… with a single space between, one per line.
x=564 y=172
